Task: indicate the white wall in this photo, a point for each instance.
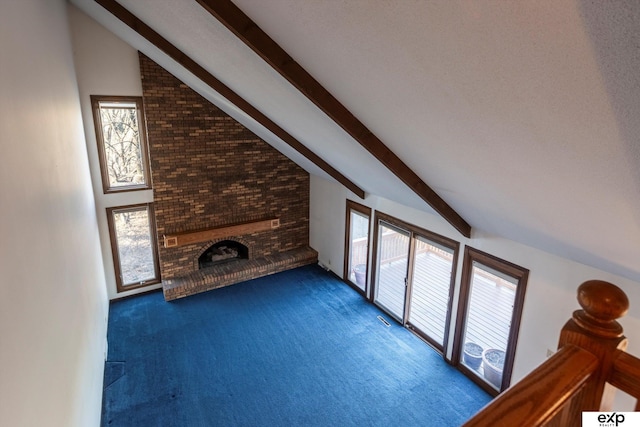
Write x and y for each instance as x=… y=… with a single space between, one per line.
x=105 y=65
x=54 y=306
x=551 y=291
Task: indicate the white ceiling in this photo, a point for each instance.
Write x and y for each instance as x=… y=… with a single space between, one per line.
x=523 y=116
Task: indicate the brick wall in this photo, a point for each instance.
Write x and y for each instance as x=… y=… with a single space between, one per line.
x=210 y=171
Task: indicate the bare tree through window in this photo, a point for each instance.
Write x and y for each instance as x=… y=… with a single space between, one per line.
x=122 y=145
x=132 y=231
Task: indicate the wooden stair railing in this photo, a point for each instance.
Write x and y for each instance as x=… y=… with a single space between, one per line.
x=542 y=395
x=590 y=365
x=625 y=375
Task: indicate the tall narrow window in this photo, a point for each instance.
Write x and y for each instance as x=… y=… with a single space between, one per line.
x=133 y=244
x=122 y=145
x=491 y=299
x=356 y=265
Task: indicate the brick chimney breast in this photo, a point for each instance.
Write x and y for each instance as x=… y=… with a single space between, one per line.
x=209 y=171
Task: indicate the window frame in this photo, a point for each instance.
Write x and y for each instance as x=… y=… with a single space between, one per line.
x=517 y=272
x=107 y=188
x=364 y=210
x=117 y=266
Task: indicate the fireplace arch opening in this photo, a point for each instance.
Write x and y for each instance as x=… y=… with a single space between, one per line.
x=223 y=252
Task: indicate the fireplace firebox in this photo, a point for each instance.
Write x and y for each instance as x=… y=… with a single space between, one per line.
x=223 y=252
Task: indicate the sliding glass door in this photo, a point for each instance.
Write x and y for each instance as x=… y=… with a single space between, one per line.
x=414 y=276
x=392 y=265
x=428 y=310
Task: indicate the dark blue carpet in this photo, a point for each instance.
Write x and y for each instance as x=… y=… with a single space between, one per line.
x=299 y=348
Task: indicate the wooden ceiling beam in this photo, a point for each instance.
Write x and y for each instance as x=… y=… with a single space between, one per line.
x=180 y=57
x=260 y=42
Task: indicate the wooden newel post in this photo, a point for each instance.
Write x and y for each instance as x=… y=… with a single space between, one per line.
x=595 y=329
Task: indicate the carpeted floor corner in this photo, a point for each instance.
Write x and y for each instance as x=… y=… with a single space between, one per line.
x=299 y=348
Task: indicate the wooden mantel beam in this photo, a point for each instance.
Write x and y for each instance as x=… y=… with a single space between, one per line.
x=254 y=37
x=190 y=237
x=177 y=55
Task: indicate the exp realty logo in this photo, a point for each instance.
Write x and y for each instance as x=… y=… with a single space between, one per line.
x=610 y=419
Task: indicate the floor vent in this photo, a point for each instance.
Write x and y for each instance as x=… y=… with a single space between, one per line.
x=382 y=319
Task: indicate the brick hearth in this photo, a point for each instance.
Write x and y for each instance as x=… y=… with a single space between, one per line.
x=208 y=172
x=236 y=271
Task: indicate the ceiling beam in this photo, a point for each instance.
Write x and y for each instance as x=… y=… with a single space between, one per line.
x=260 y=42
x=194 y=68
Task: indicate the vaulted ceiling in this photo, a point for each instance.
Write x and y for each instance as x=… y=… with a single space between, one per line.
x=524 y=117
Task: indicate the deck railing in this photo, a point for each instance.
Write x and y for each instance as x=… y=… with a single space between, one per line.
x=582 y=376
x=394 y=247
x=359 y=251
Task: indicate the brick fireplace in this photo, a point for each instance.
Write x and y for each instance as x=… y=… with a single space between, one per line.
x=212 y=175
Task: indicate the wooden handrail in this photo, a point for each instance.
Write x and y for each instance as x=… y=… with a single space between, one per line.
x=542 y=394
x=626 y=375
x=581 y=376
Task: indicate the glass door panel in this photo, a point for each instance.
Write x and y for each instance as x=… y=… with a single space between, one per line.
x=488 y=323
x=430 y=290
x=393 y=260
x=358 y=248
